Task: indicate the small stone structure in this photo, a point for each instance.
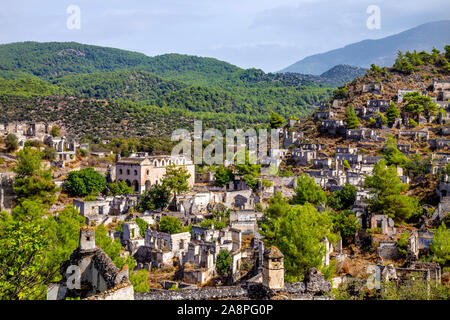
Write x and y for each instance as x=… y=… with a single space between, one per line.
x=374 y=88
x=273 y=268
x=91 y=274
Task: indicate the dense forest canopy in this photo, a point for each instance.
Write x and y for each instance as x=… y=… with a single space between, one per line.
x=139 y=94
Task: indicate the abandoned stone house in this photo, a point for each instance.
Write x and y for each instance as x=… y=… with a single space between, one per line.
x=438 y=161
x=442 y=89
x=270 y=164
x=245 y=221
x=336 y=103
x=375 y=88
x=65 y=149
x=347 y=149
x=443 y=187
x=384 y=223
x=303 y=157
x=194 y=203
x=419 y=271
x=416 y=135
x=380 y=104
x=349 y=157
x=312 y=146
x=363 y=134
x=404 y=147
x=328 y=180
x=143 y=172
x=91 y=274
x=332 y=126
x=324 y=115
x=418 y=244
x=243 y=200
x=388 y=250
x=199 y=262
x=105 y=210
x=291 y=138
x=418 y=118
x=445 y=131
x=440 y=144
x=26 y=130
x=322 y=163
x=443 y=117
x=371 y=110
x=292 y=123
x=205 y=177
x=442 y=210
x=169 y=246
x=131 y=238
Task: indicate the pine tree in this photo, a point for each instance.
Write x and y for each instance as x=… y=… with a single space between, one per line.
x=276 y=121
x=392 y=113
x=351 y=119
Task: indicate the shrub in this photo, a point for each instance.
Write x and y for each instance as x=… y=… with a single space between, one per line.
x=223 y=263
x=12 y=142
x=412 y=123
x=308 y=191
x=441 y=245
x=346 y=224
x=85 y=181
x=402 y=243
x=169 y=224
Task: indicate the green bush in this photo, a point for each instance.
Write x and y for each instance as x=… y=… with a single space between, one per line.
x=12 y=142
x=169 y=224
x=85 y=182
x=402 y=243
x=223 y=262
x=308 y=191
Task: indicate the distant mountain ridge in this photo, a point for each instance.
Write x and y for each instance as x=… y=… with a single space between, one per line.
x=381 y=52
x=334 y=77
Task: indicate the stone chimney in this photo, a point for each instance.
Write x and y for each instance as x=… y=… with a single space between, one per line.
x=273 y=269
x=87 y=239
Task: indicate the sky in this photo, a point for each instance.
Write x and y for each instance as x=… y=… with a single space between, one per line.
x=264 y=34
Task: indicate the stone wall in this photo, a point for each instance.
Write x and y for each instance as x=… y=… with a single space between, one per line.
x=206 y=293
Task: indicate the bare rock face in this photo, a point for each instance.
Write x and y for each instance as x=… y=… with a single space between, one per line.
x=315 y=282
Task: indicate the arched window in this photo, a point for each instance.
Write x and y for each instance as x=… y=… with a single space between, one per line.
x=128 y=171
x=135 y=172
x=120 y=171
x=155 y=163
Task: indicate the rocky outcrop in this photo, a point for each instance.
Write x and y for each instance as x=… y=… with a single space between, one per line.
x=315 y=282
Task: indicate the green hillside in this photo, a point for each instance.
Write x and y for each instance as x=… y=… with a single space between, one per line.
x=123 y=84
x=152 y=95
x=30 y=87
x=52 y=59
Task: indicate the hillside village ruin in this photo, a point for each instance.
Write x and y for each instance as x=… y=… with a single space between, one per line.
x=322 y=147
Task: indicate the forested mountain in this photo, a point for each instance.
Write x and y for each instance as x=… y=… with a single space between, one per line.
x=51 y=59
x=342 y=73
x=124 y=84
x=148 y=92
x=381 y=52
